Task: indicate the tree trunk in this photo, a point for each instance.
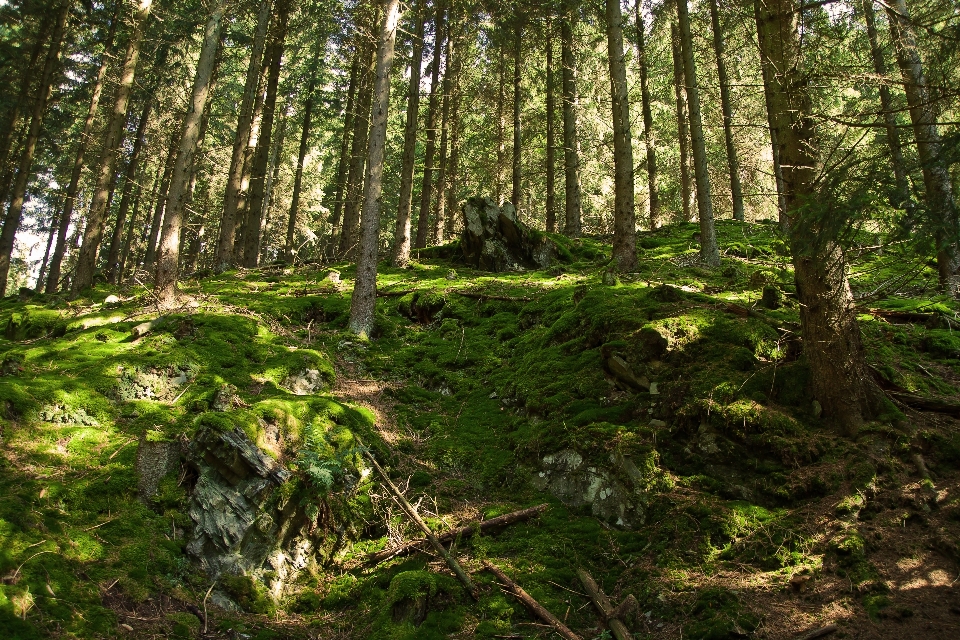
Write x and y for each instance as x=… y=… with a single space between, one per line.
x=246 y=172
x=683 y=132
x=129 y=180
x=160 y=204
x=551 y=142
x=231 y=199
x=168 y=257
x=733 y=162
x=439 y=208
x=53 y=277
x=624 y=214
x=766 y=71
x=501 y=123
x=426 y=189
x=452 y=221
x=517 y=109
x=289 y=251
x=648 y=137
x=831 y=335
x=11 y=222
x=709 y=252
x=401 y=236
x=358 y=146
x=345 y=145
x=273 y=176
x=128 y=240
x=113 y=137
x=571 y=140
x=902 y=194
x=938 y=190
x=363 y=302
x=54 y=221
x=252 y=233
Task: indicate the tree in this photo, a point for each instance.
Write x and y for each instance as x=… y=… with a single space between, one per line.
x=168 y=254
x=683 y=124
x=551 y=143
x=733 y=163
x=571 y=141
x=938 y=190
x=649 y=141
x=401 y=236
x=831 y=335
x=364 y=298
x=624 y=216
x=426 y=189
x=515 y=193
x=709 y=252
x=106 y=171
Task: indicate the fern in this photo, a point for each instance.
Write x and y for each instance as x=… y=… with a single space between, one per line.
x=321 y=472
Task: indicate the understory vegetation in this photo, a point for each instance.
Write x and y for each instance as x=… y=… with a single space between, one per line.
x=749 y=516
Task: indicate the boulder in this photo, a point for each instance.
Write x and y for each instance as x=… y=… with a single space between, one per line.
x=155 y=459
x=495 y=240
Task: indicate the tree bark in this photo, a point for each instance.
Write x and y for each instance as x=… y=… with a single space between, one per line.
x=452 y=221
x=426 y=189
x=571 y=140
x=683 y=131
x=902 y=193
x=709 y=252
x=733 y=162
x=129 y=181
x=231 y=199
x=439 y=208
x=54 y=222
x=766 y=72
x=648 y=137
x=831 y=335
x=515 y=193
x=363 y=301
x=128 y=240
x=551 y=142
x=401 y=236
x=70 y=199
x=289 y=251
x=252 y=233
x=273 y=176
x=624 y=215
x=168 y=255
x=11 y=222
x=501 y=122
x=938 y=189
x=113 y=137
x=358 y=147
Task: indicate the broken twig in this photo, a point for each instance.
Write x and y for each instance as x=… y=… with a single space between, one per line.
x=530 y=603
x=603 y=604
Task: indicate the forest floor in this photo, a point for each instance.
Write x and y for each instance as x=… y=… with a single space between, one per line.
x=748 y=516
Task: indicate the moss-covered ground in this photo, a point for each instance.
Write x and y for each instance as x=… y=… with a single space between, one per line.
x=757 y=520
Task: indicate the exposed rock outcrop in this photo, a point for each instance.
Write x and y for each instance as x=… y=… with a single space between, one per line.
x=494 y=240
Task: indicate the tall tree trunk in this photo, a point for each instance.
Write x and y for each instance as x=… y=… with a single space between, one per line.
x=766 y=72
x=733 y=162
x=358 y=145
x=551 y=107
x=96 y=217
x=289 y=252
x=46 y=253
x=517 y=109
x=129 y=181
x=902 y=194
x=624 y=214
x=253 y=227
x=273 y=176
x=452 y=220
x=345 y=145
x=160 y=204
x=426 y=189
x=571 y=139
x=401 y=236
x=938 y=190
x=501 y=122
x=683 y=131
x=168 y=259
x=648 y=137
x=831 y=335
x=11 y=222
x=363 y=302
x=709 y=252
x=131 y=226
x=70 y=199
x=439 y=208
x=246 y=172
x=231 y=199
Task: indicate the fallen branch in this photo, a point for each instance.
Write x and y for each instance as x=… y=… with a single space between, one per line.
x=394 y=294
x=485 y=525
x=938 y=405
x=603 y=604
x=485 y=296
x=146 y=327
x=530 y=603
x=412 y=514
x=745 y=312
x=819 y=633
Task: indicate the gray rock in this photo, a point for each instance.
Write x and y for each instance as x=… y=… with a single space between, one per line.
x=305 y=383
x=494 y=240
x=155 y=459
